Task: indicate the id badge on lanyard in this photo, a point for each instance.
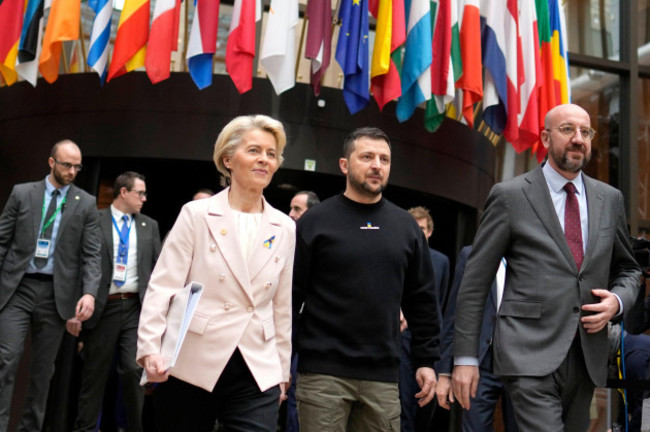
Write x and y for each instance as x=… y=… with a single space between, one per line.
x=43 y=244
x=119 y=267
x=43 y=248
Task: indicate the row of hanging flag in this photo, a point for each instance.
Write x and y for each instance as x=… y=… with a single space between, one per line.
x=452 y=56
x=25 y=49
x=508 y=57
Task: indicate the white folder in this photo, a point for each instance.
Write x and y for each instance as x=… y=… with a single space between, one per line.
x=179 y=315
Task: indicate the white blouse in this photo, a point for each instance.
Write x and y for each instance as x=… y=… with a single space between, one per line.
x=248 y=226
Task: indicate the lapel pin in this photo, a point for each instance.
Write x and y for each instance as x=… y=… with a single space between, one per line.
x=144 y=224
x=269 y=242
x=76 y=197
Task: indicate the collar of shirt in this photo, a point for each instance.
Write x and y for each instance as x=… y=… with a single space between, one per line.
x=556 y=181
x=117 y=215
x=49 y=188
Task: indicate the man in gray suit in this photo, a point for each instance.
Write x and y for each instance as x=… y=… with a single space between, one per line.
x=130 y=248
x=570 y=270
x=49 y=272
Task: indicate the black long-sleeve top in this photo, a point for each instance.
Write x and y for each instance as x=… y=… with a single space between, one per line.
x=355 y=265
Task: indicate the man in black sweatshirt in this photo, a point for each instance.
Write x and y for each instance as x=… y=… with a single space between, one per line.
x=358 y=259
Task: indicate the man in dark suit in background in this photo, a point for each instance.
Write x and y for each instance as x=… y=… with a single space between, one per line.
x=49 y=272
x=130 y=248
x=440 y=260
x=414 y=418
x=570 y=270
x=480 y=416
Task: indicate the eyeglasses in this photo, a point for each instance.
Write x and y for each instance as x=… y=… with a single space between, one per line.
x=569 y=130
x=68 y=165
x=141 y=194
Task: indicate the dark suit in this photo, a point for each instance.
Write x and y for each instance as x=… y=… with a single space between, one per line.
x=441 y=271
x=413 y=417
x=46 y=303
x=114 y=326
x=480 y=417
x=538 y=334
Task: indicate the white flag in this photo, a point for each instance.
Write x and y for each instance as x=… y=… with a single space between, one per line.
x=279 y=51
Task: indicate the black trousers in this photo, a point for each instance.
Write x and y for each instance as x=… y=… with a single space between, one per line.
x=236 y=401
x=116 y=330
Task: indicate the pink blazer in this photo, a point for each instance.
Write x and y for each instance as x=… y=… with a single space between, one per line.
x=245 y=304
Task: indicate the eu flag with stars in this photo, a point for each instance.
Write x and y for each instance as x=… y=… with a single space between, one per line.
x=353 y=55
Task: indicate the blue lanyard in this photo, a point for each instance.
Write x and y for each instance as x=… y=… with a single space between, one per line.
x=123 y=240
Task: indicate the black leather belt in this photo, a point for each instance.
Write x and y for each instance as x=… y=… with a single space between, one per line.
x=122 y=296
x=39 y=277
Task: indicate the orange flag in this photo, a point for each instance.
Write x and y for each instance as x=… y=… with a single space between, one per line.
x=62 y=25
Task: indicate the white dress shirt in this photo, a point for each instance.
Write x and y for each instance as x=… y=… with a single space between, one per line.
x=131 y=282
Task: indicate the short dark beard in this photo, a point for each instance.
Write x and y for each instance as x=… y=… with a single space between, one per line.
x=364 y=189
x=565 y=164
x=59 y=179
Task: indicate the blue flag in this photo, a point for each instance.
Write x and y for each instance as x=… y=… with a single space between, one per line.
x=353 y=55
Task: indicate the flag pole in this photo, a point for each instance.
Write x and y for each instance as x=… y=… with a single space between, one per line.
x=477 y=107
x=302 y=41
x=83 y=46
x=335 y=16
x=185 y=42
x=65 y=60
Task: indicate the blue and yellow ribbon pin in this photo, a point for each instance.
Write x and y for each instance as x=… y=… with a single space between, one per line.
x=269 y=242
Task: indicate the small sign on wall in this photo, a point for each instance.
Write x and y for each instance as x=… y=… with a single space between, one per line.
x=310 y=165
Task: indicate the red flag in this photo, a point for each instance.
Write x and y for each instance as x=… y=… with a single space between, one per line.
x=11 y=23
x=471 y=82
x=163 y=39
x=547 y=90
x=240 y=48
x=514 y=71
x=529 y=126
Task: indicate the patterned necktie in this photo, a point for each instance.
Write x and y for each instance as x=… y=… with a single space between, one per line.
x=572 y=226
x=123 y=248
x=47 y=233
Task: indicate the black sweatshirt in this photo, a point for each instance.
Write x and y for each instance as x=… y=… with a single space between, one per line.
x=355 y=263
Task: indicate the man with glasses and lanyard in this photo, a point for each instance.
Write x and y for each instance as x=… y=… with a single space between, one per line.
x=130 y=248
x=570 y=270
x=49 y=272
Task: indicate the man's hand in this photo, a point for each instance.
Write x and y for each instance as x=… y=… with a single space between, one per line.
x=464 y=383
x=426 y=379
x=85 y=307
x=403 y=325
x=601 y=312
x=443 y=392
x=154 y=365
x=73 y=326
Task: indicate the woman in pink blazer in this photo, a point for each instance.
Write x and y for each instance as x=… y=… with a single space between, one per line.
x=234 y=362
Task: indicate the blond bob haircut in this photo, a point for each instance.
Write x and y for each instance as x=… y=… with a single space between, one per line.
x=231 y=137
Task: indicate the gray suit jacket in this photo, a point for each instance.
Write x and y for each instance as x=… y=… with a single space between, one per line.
x=148 y=238
x=544 y=291
x=76 y=255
